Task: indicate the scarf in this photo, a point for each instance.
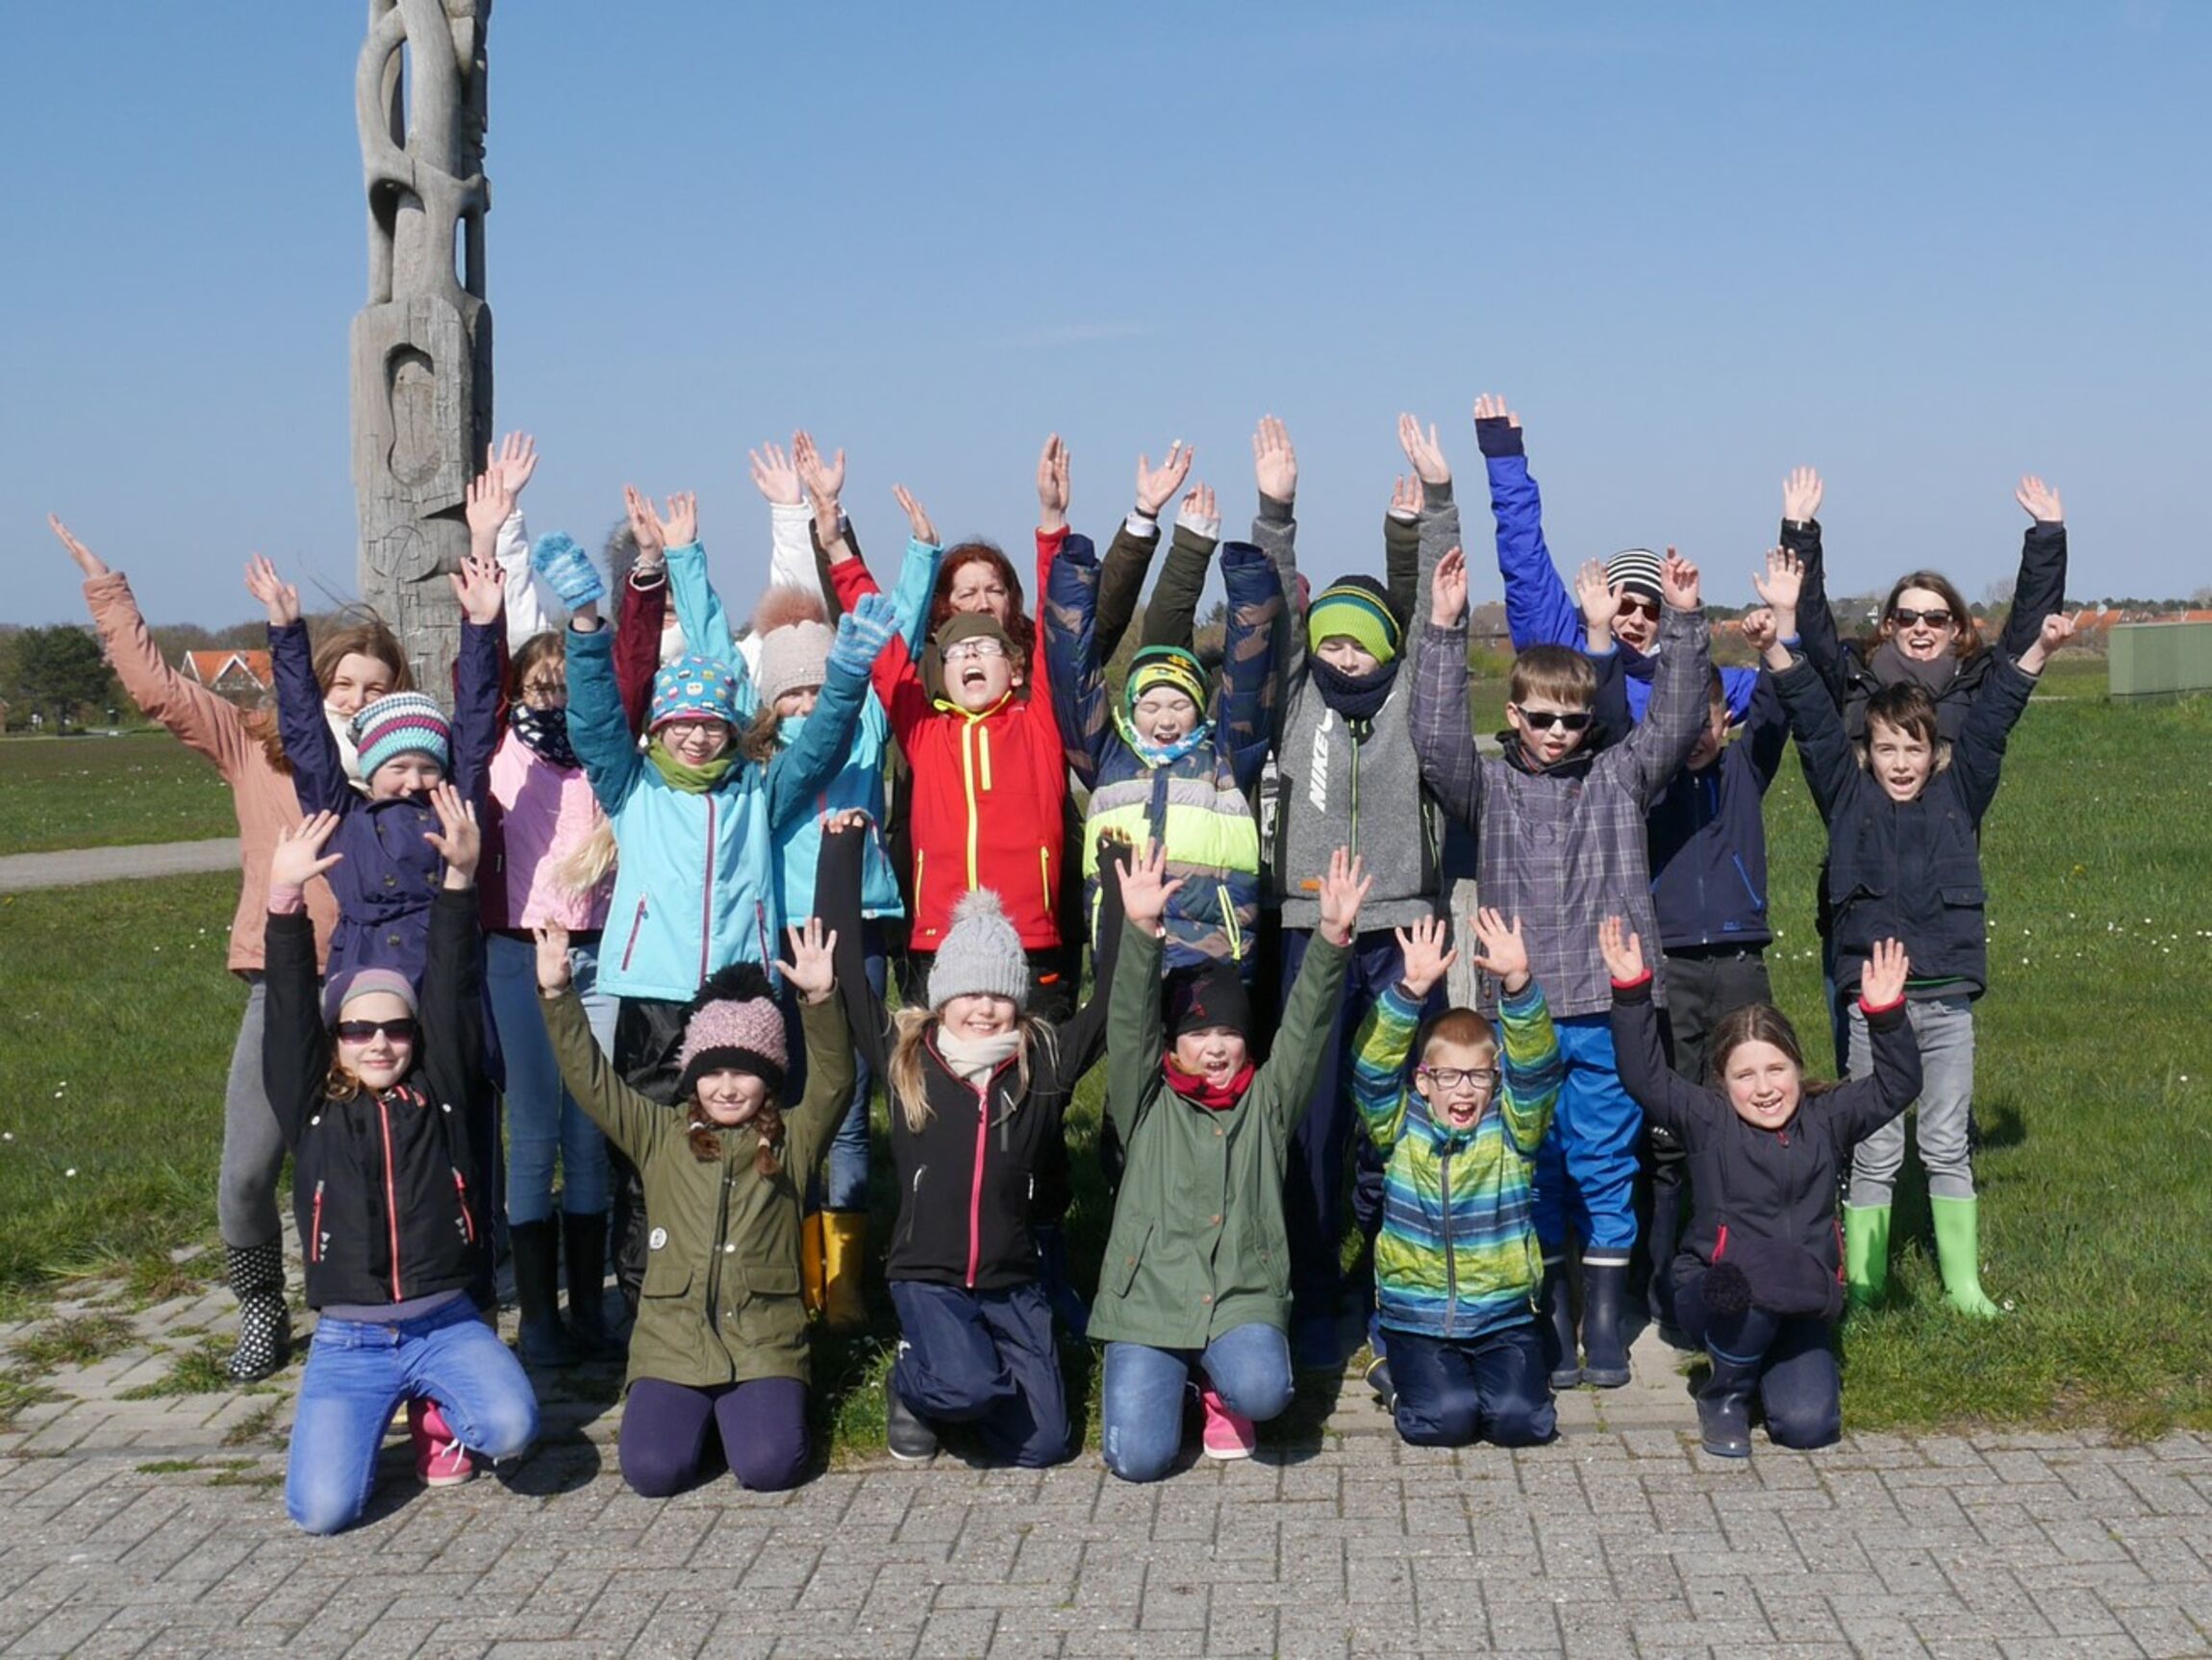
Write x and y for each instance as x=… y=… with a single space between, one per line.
x=1355 y=697
x=341 y=729
x=545 y=731
x=974 y=1059
x=1194 y=1088
x=691 y=780
x=1891 y=666
x=1165 y=754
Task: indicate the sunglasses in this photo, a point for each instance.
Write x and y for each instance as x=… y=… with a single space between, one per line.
x=964 y=648
x=1940 y=618
x=1637 y=602
x=1451 y=1077
x=1544 y=719
x=404 y=1029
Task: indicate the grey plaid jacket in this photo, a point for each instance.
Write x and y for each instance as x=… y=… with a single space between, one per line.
x=1563 y=849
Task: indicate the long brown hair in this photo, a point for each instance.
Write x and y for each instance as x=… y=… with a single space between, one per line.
x=1969 y=642
x=911 y=1029
x=367 y=636
x=757 y=742
x=1759 y=1023
x=706 y=1140
x=1019 y=627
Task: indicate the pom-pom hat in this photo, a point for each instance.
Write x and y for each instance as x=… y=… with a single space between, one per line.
x=982 y=955
x=794 y=644
x=733 y=1023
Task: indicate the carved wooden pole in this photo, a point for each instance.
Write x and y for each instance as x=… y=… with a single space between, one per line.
x=422 y=345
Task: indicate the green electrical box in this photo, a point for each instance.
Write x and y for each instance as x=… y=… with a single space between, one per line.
x=2149 y=659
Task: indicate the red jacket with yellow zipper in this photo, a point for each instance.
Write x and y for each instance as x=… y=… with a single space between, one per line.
x=990 y=790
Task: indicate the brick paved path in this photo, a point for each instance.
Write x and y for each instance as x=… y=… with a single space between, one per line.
x=155 y=1527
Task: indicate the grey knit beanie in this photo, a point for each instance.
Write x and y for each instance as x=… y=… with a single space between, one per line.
x=793 y=657
x=982 y=955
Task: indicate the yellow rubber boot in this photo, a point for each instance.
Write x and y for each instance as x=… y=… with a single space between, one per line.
x=845 y=1254
x=810 y=1261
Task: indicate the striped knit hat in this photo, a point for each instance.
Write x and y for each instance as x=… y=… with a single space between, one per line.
x=1357 y=608
x=692 y=689
x=1636 y=570
x=402 y=723
x=1164 y=666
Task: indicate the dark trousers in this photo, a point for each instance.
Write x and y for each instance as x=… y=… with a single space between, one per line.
x=1313 y=1185
x=648 y=1032
x=1453 y=1392
x=1800 y=1384
x=763 y=1425
x=986 y=1358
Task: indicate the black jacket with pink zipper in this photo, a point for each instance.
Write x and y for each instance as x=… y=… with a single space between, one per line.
x=385 y=1187
x=1775 y=1188
x=968 y=1176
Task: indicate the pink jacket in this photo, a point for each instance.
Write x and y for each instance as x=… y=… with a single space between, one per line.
x=262 y=796
x=543 y=814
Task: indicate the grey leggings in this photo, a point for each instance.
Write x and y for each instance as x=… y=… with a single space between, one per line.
x=253 y=1149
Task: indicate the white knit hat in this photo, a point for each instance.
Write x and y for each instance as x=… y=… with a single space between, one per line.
x=791 y=657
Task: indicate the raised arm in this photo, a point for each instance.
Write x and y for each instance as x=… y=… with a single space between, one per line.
x=598 y=730
x=1385 y=1035
x=1068 y=622
x=1812 y=626
x=1172 y=619
x=1275 y=532
x=296 y=1044
x=1857 y=1109
x=1443 y=735
x=478 y=677
x=2039 y=590
x=1249 y=682
x=318 y=771
x=1437 y=529
x=453 y=970
x=1310 y=1010
x=837 y=904
x=798 y=774
x=633 y=1124
x=1539 y=611
x=1668 y=731
x=1083 y=1035
x=1667 y=1100
x=1401 y=550
x=1978 y=758
x=699 y=610
x=1529 y=1063
x=810 y=974
x=1130 y=556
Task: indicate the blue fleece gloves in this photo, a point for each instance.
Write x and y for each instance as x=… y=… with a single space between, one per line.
x=862 y=634
x=567 y=569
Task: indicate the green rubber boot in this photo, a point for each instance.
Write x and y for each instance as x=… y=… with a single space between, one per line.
x=1958 y=1254
x=1865 y=1253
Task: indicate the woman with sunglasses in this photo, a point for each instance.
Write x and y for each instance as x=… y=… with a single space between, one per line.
x=376 y=1108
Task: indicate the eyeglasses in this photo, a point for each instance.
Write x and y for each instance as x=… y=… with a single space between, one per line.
x=1544 y=719
x=545 y=690
x=983 y=646
x=403 y=1030
x=1451 y=1077
x=1940 y=618
x=1638 y=603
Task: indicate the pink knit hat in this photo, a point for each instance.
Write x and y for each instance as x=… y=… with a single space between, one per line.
x=734 y=1022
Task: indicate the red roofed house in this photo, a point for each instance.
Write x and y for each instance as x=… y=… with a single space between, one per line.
x=241 y=676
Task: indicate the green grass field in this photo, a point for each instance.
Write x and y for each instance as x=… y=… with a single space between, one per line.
x=116 y=1020
x=99 y=792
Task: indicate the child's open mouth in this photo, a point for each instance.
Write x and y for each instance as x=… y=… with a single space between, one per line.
x=972 y=677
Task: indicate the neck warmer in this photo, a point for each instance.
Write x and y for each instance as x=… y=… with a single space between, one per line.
x=691 y=780
x=545 y=731
x=1355 y=697
x=341 y=729
x=975 y=1058
x=1194 y=1088
x=1890 y=667
x=1162 y=754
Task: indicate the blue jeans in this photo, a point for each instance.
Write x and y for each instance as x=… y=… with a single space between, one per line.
x=1800 y=1384
x=358 y=1372
x=1142 y=1410
x=986 y=1358
x=1451 y=1390
x=1585 y=1176
x=542 y=1119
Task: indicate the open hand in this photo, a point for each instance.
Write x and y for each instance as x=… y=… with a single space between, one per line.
x=2041 y=500
x=515 y=461
x=1883 y=981
x=774 y=475
x=1427 y=960
x=1052 y=484
x=298 y=857
x=1343 y=890
x=489 y=502
x=824 y=480
x=916 y=517
x=644 y=526
x=1422 y=450
x=1491 y=405
x=1200 y=511
x=1801 y=495
x=680 y=526
x=1678 y=583
x=480 y=588
x=1783 y=582
x=1145 y=891
x=1156 y=486
x=1274 y=463
x=457 y=839
x=812 y=969
x=552 y=957
x=87 y=561
x=1601 y=605
x=1504 y=954
x=1447 y=591
x=273 y=591
x=1623 y=951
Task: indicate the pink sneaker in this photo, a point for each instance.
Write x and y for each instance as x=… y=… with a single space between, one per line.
x=1227 y=1434
x=440 y=1460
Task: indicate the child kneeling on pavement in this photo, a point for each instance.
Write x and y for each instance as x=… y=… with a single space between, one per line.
x=1758 y=1283
x=1457 y=1264
x=721 y=1332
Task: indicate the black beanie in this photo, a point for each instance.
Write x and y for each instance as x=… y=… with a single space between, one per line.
x=1212 y=994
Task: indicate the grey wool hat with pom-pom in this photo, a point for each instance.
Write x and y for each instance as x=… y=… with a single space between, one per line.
x=796 y=642
x=982 y=955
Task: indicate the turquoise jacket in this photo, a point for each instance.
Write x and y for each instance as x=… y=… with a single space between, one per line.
x=857 y=785
x=1457 y=1256
x=695 y=886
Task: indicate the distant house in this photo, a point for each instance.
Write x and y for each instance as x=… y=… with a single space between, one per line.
x=241 y=676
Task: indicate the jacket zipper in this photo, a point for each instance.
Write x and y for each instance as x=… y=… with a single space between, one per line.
x=707 y=898
x=390 y=1197
x=975 y=1187
x=920 y=906
x=1450 y=1257
x=1720 y=1244
x=967 y=784
x=1229 y=923
x=467 y=1221
x=1044 y=877
x=635 y=922
x=721 y=1233
x=913 y=1201
x=314 y=1241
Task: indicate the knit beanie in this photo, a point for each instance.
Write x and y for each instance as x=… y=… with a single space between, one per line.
x=1167 y=666
x=401 y=723
x=692 y=689
x=361 y=983
x=1208 y=995
x=1635 y=569
x=982 y=955
x=1358 y=608
x=792 y=659
x=734 y=1022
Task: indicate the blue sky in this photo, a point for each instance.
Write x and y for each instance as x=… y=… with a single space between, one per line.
x=1922 y=248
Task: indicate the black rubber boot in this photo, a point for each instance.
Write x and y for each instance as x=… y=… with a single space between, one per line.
x=1555 y=1314
x=265 y=1323
x=1604 y=1294
x=543 y=1339
x=1659 y=1242
x=911 y=1441
x=1724 y=1406
x=584 y=1240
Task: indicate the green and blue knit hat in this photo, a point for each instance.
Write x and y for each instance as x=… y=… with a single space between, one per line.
x=1357 y=608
